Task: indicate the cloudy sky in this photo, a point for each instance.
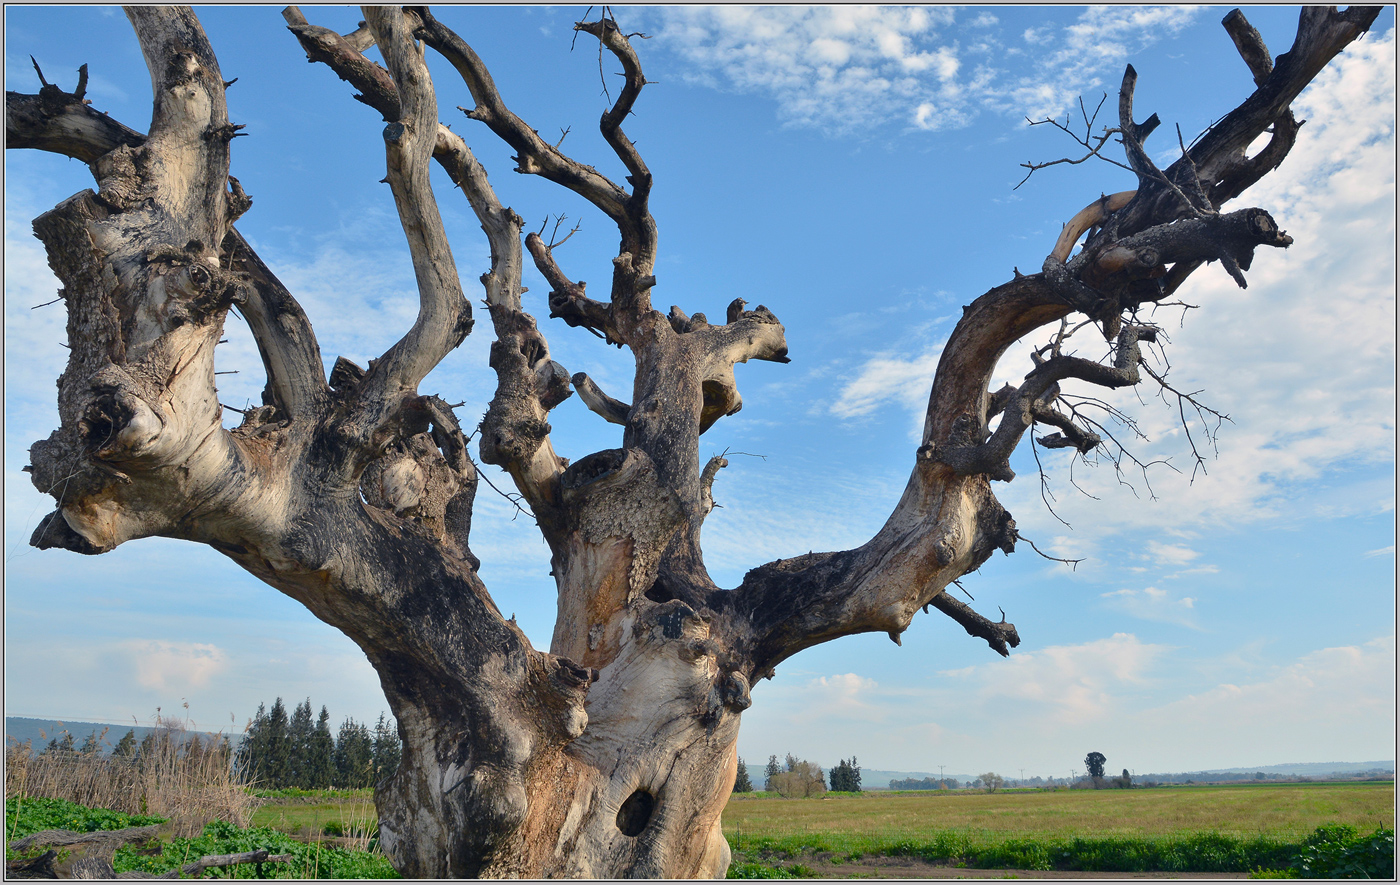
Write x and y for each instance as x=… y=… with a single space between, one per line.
x=855 y=170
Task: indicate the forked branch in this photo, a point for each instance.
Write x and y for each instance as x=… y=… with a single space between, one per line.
x=444 y=315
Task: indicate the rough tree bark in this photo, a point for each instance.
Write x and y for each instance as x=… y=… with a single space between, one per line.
x=613 y=753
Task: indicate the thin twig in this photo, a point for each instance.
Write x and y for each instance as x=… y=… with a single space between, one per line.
x=1069 y=562
x=1087 y=141
x=513 y=499
x=1045 y=482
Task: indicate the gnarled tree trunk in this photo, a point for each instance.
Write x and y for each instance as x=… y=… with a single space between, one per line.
x=612 y=754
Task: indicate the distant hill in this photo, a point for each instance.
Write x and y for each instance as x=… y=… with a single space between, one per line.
x=39 y=732
x=1292 y=769
x=1312 y=769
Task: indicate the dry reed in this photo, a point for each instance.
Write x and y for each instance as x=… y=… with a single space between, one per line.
x=187 y=779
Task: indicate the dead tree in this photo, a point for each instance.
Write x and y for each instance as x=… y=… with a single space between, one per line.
x=613 y=753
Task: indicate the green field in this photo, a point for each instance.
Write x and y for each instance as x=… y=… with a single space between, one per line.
x=1277 y=810
x=1207 y=828
x=313 y=813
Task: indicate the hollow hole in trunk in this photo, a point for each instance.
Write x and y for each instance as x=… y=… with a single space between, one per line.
x=634 y=814
x=659 y=592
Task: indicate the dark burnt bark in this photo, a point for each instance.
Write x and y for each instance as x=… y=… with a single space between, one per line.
x=613 y=753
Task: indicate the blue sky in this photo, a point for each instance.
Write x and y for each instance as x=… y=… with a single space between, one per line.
x=853 y=170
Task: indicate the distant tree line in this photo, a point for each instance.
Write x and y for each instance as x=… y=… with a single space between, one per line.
x=281 y=751
x=797 y=779
x=925 y=783
x=186 y=743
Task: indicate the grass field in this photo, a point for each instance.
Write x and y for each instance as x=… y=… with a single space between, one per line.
x=1284 y=811
x=1207 y=828
x=349 y=812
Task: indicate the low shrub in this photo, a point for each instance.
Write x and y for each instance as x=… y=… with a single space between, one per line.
x=1336 y=851
x=757 y=871
x=762 y=871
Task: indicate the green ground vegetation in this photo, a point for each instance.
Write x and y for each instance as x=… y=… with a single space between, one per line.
x=313 y=860
x=1284 y=811
x=310 y=860
x=331 y=813
x=1227 y=828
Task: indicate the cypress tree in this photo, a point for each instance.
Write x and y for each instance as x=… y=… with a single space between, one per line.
x=845 y=777
x=354 y=755
x=299 y=734
x=63 y=745
x=770 y=772
x=741 y=778
x=126 y=747
x=277 y=752
x=147 y=750
x=322 y=755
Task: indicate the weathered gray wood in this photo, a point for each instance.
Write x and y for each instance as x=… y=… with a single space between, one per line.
x=612 y=754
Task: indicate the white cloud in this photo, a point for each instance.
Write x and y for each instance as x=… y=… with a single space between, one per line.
x=885 y=379
x=845 y=696
x=1072 y=683
x=843 y=69
x=1132 y=700
x=1340 y=701
x=1154 y=604
x=172 y=668
x=1303 y=361
x=1170 y=554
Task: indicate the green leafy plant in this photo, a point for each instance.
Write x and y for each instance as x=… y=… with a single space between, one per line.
x=28 y=815
x=313 y=861
x=1337 y=851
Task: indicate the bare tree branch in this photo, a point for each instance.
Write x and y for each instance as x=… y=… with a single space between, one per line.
x=1087 y=141
x=444 y=315
x=1001 y=637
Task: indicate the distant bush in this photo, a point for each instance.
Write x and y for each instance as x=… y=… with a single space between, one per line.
x=802 y=780
x=926 y=783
